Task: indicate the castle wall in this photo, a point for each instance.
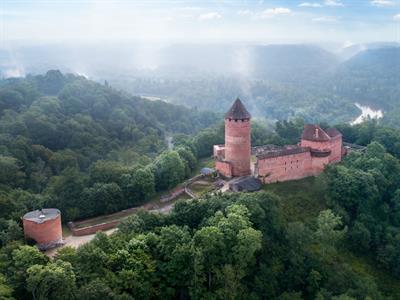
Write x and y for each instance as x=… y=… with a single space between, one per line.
x=224 y=168
x=334 y=144
x=336 y=148
x=283 y=168
x=237 y=146
x=94 y=228
x=318 y=164
x=316 y=144
x=219 y=151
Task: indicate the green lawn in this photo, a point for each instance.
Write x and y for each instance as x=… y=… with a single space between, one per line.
x=201 y=189
x=302 y=200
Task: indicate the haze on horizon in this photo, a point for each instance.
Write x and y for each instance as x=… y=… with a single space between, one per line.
x=107 y=39
x=343 y=22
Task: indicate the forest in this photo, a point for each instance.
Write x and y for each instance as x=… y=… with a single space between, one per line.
x=89 y=149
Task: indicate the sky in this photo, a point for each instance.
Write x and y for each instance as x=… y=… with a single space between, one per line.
x=286 y=21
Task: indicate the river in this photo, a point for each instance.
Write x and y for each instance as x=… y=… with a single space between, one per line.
x=366 y=112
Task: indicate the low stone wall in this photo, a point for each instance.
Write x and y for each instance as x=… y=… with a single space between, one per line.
x=193 y=179
x=190 y=193
x=93 y=228
x=176 y=193
x=172 y=196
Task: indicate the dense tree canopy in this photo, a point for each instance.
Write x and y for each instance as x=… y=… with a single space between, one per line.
x=87 y=149
x=81 y=146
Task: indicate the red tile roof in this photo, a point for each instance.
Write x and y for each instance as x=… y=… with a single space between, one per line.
x=332 y=132
x=313 y=132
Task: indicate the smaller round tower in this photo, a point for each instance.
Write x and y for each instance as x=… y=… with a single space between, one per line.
x=237 y=139
x=44 y=227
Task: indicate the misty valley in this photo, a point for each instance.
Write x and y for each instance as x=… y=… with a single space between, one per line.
x=278 y=81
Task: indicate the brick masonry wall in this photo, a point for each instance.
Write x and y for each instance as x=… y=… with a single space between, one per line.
x=290 y=167
x=219 y=151
x=94 y=228
x=337 y=149
x=316 y=145
x=335 y=145
x=47 y=232
x=238 y=146
x=318 y=164
x=224 y=168
x=283 y=168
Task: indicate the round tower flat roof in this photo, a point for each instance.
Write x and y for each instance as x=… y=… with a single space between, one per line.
x=43 y=215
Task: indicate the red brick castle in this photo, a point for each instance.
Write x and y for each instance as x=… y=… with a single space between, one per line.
x=316 y=149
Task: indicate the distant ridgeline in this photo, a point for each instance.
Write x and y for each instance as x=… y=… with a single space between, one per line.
x=280 y=82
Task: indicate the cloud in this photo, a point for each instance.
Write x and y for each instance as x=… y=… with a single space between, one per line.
x=191 y=8
x=382 y=3
x=210 y=16
x=13 y=13
x=333 y=3
x=244 y=12
x=325 y=19
x=310 y=4
x=272 y=12
x=396 y=17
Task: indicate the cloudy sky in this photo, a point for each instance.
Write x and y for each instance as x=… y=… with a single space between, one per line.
x=268 y=21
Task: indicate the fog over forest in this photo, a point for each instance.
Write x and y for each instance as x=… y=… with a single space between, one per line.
x=288 y=59
x=195 y=75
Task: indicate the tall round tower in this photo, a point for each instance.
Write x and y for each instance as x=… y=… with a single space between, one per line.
x=237 y=139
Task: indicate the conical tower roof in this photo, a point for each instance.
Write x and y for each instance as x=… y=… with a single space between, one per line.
x=237 y=111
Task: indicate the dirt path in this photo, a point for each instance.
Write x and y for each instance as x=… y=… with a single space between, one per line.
x=76 y=241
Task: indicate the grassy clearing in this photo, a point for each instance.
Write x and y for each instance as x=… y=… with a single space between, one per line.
x=201 y=189
x=302 y=200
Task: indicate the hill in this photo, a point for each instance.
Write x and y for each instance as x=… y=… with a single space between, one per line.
x=276 y=81
x=371 y=77
x=63 y=137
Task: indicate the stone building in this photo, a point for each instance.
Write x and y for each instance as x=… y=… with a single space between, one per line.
x=44 y=227
x=316 y=149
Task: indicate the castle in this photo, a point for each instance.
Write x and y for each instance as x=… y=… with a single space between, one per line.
x=316 y=149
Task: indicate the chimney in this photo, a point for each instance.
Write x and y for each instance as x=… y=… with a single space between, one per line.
x=316 y=133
